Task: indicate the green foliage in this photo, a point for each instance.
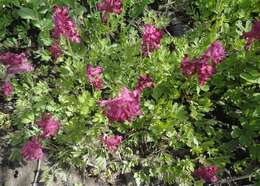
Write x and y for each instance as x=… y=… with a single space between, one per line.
x=184 y=125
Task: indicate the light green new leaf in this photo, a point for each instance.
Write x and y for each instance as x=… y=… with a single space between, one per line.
x=252 y=76
x=27 y=13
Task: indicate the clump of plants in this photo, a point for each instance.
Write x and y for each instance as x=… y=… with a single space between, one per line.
x=107 y=87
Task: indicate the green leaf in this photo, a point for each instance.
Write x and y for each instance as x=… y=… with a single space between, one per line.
x=101 y=163
x=44 y=24
x=245 y=139
x=179 y=112
x=157 y=92
x=27 y=13
x=139 y=8
x=255 y=151
x=28 y=117
x=252 y=76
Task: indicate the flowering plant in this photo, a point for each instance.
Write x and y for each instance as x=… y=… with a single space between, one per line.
x=164 y=93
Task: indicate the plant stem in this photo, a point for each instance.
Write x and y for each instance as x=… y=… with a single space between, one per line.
x=70 y=49
x=37 y=172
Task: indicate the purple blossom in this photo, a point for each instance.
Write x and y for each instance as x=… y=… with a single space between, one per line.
x=55 y=50
x=216 y=52
x=32 y=150
x=91 y=71
x=253 y=35
x=94 y=76
x=9 y=58
x=111 y=142
x=124 y=107
x=151 y=39
x=16 y=63
x=207 y=173
x=21 y=68
x=64 y=24
x=202 y=66
x=109 y=6
x=98 y=83
x=205 y=71
x=7 y=89
x=144 y=81
x=49 y=125
x=188 y=67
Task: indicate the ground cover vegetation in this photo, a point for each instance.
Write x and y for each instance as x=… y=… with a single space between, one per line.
x=141 y=92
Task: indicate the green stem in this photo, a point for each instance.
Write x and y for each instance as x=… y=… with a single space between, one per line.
x=70 y=49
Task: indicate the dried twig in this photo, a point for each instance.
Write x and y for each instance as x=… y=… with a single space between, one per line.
x=37 y=172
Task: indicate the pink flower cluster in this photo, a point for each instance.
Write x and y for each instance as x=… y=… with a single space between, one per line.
x=205 y=70
x=55 y=50
x=253 y=35
x=151 y=39
x=144 y=81
x=32 y=150
x=7 y=89
x=207 y=173
x=111 y=142
x=49 y=125
x=15 y=63
x=122 y=108
x=215 y=52
x=94 y=76
x=188 y=67
x=126 y=106
x=63 y=26
x=109 y=6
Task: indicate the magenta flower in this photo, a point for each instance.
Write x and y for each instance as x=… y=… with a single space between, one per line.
x=15 y=63
x=32 y=150
x=9 y=58
x=21 y=68
x=111 y=142
x=201 y=66
x=98 y=83
x=7 y=89
x=253 y=35
x=91 y=71
x=188 y=67
x=49 y=125
x=94 y=76
x=205 y=71
x=63 y=24
x=124 y=107
x=216 y=52
x=55 y=50
x=144 y=81
x=109 y=6
x=207 y=173
x=151 y=39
